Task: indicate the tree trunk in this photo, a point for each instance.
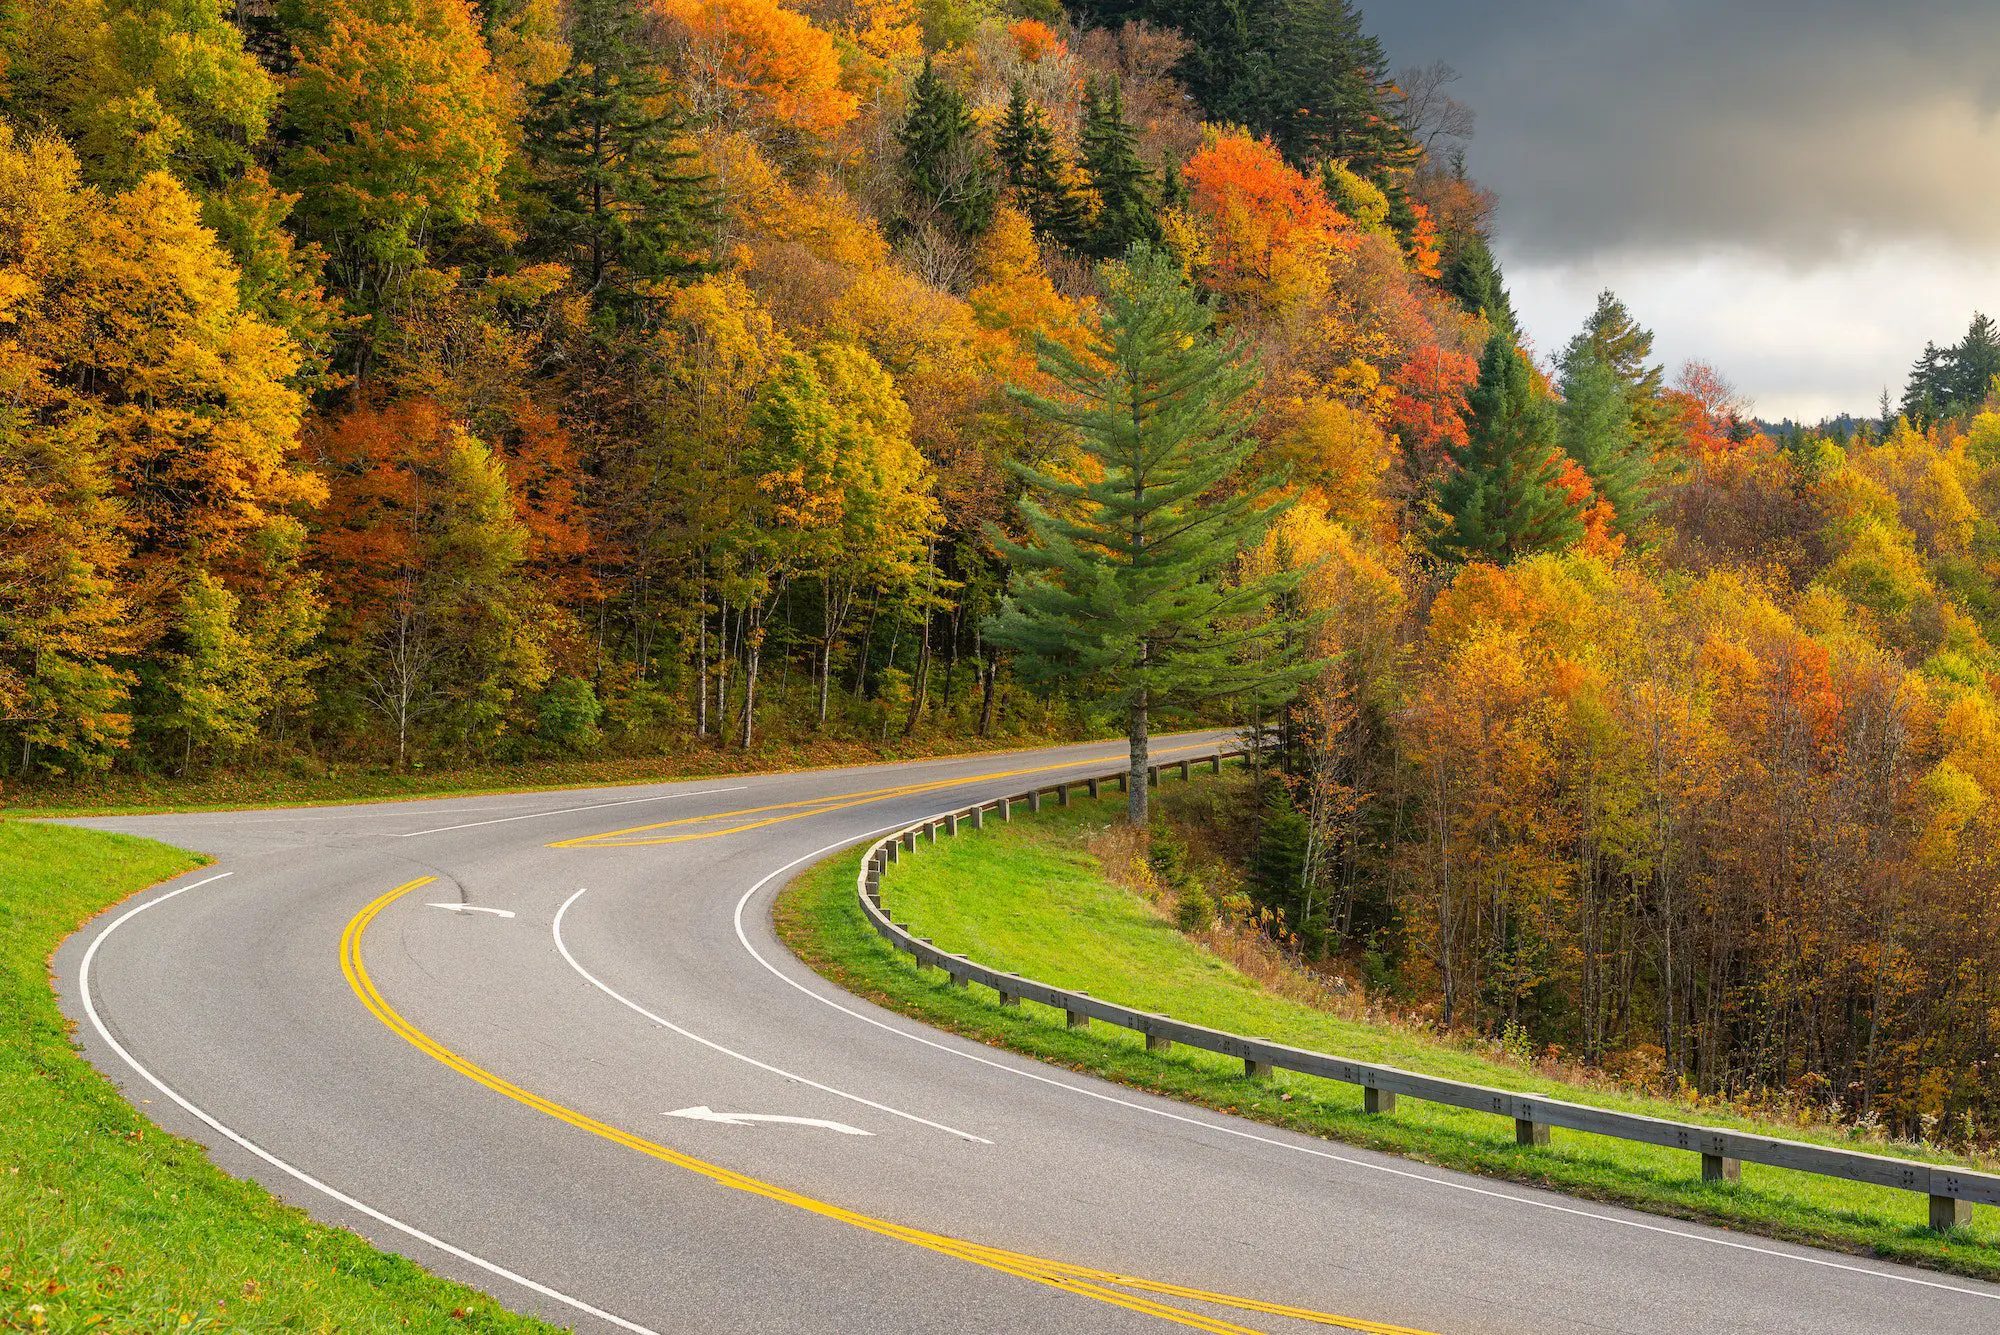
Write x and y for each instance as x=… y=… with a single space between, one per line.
x=753 y=652
x=1135 y=784
x=920 y=696
x=986 y=702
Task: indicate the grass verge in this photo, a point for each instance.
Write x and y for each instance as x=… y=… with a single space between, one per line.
x=1027 y=897
x=123 y=794
x=108 y=1224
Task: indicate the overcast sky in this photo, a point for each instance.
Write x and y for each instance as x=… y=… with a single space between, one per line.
x=1799 y=191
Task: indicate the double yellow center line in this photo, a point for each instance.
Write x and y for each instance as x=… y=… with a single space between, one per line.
x=1105 y=1286
x=755 y=818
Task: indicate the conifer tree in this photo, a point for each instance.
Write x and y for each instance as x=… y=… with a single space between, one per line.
x=1122 y=586
x=1976 y=362
x=1928 y=385
x=1595 y=429
x=1127 y=212
x=1623 y=344
x=1327 y=89
x=1503 y=500
x=1473 y=276
x=944 y=162
x=1033 y=167
x=618 y=197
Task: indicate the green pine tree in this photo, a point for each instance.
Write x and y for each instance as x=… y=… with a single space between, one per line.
x=944 y=163
x=1127 y=212
x=1929 y=385
x=617 y=197
x=1503 y=501
x=1976 y=363
x=1122 y=587
x=1327 y=91
x=1033 y=167
x=1595 y=428
x=1472 y=275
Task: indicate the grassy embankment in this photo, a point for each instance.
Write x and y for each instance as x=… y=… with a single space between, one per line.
x=291 y=785
x=109 y=1225
x=1030 y=897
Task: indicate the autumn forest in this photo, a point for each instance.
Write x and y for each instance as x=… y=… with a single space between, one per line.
x=400 y=383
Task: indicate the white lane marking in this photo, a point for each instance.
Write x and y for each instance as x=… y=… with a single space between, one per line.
x=472 y=908
x=625 y=1001
x=701 y=1112
x=564 y=811
x=408 y=1230
x=1241 y=1134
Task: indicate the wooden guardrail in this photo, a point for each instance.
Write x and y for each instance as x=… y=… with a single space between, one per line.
x=1952 y=1191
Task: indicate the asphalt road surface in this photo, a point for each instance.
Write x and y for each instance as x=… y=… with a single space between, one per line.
x=465 y=1028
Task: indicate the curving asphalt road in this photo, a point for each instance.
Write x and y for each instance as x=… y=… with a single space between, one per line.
x=493 y=1096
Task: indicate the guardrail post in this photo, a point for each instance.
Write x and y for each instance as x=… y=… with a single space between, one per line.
x=979 y=818
x=1186 y=773
x=1159 y=1043
x=1527 y=1131
x=1035 y=801
x=1124 y=783
x=1092 y=785
x=930 y=830
x=1004 y=809
x=957 y=980
x=1256 y=1070
x=951 y=824
x=1949 y=1212
x=892 y=851
x=1215 y=763
x=1077 y=1019
x=1375 y=1100
x=910 y=840
x=1721 y=1168
x=1152 y=776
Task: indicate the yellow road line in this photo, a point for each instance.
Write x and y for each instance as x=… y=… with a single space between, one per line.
x=810 y=806
x=1083 y=1281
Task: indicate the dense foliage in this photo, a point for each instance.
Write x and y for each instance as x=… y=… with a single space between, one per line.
x=410 y=382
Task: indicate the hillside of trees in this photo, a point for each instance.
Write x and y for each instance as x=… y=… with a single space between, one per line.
x=423 y=382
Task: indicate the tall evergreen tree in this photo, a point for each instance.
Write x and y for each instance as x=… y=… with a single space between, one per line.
x=1503 y=500
x=944 y=163
x=1033 y=167
x=1127 y=211
x=1623 y=344
x=1929 y=385
x=1976 y=363
x=1327 y=91
x=1595 y=429
x=618 y=196
x=1472 y=275
x=1122 y=586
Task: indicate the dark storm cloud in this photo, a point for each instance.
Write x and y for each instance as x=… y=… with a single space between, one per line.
x=1804 y=129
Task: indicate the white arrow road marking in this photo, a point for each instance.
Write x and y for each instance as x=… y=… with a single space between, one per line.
x=703 y=1113
x=556 y=930
x=473 y=908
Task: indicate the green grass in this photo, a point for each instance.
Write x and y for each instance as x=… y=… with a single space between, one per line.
x=1026 y=897
x=109 y=1225
x=297 y=784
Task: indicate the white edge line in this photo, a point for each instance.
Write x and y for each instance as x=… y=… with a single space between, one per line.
x=97 y=1023
x=1242 y=1134
x=564 y=811
x=594 y=981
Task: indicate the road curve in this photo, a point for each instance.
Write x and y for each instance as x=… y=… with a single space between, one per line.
x=528 y=1066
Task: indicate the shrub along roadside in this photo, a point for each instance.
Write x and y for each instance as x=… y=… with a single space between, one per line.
x=121 y=794
x=109 y=1224
x=1027 y=897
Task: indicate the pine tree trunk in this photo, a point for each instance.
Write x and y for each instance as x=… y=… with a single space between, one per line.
x=1135 y=784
